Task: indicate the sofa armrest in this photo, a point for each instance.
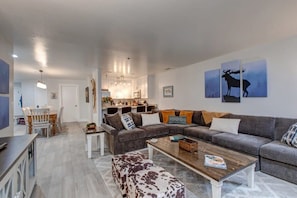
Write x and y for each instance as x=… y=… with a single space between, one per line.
x=109 y=129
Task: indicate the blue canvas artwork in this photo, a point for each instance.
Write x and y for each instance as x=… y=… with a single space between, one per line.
x=4 y=112
x=256 y=74
x=212 y=83
x=4 y=77
x=230 y=81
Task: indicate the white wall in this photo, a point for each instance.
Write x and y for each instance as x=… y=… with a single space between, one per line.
x=188 y=83
x=6 y=51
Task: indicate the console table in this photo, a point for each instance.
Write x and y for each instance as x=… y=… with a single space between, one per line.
x=18 y=166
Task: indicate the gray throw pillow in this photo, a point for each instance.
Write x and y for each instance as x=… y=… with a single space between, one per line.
x=114 y=120
x=290 y=137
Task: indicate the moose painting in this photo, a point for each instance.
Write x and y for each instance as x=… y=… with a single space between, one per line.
x=231 y=81
x=256 y=73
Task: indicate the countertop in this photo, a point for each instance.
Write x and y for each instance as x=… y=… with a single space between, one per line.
x=16 y=146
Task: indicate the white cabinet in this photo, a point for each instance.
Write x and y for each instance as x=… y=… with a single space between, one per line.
x=18 y=176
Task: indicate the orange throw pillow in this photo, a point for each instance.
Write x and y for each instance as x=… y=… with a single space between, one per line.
x=166 y=114
x=207 y=116
x=188 y=114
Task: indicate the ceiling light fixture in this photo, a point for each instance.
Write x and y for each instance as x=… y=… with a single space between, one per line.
x=14 y=56
x=40 y=84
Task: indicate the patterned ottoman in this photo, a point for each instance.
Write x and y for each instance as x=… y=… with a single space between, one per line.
x=126 y=164
x=154 y=182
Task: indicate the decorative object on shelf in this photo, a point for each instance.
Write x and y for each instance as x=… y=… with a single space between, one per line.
x=212 y=83
x=41 y=84
x=4 y=77
x=168 y=91
x=188 y=145
x=214 y=161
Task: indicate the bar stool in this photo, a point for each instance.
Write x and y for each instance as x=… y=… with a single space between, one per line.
x=150 y=108
x=140 y=108
x=112 y=110
x=126 y=109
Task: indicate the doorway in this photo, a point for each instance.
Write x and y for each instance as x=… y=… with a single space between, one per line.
x=69 y=100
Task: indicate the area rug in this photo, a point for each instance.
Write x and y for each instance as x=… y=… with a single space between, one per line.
x=197 y=187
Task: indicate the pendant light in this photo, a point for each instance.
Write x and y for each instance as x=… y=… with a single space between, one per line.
x=40 y=83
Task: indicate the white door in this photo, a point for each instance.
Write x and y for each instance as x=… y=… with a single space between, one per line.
x=69 y=100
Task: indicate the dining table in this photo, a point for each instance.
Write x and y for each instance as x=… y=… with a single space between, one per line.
x=52 y=119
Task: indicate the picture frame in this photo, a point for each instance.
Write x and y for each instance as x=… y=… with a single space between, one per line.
x=87 y=94
x=168 y=91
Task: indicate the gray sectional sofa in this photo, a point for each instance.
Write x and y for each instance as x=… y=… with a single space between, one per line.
x=258 y=136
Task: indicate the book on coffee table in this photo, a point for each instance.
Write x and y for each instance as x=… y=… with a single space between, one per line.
x=176 y=138
x=214 y=161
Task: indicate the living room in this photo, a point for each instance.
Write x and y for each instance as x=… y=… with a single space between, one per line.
x=189 y=82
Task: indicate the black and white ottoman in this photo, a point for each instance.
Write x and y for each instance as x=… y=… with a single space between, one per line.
x=126 y=164
x=154 y=182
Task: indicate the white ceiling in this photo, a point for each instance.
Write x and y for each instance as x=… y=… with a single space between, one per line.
x=73 y=37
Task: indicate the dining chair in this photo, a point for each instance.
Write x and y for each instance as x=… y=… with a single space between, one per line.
x=26 y=112
x=40 y=120
x=112 y=110
x=150 y=108
x=140 y=108
x=126 y=109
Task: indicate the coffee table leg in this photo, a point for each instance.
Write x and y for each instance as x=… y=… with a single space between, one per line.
x=150 y=152
x=216 y=189
x=250 y=172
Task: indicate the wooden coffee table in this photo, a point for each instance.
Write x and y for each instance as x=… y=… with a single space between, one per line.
x=235 y=161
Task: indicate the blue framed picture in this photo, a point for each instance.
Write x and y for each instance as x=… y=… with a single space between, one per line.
x=4 y=112
x=212 y=83
x=231 y=81
x=255 y=73
x=4 y=77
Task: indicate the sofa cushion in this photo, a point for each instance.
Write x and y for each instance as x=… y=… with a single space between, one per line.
x=201 y=132
x=281 y=152
x=137 y=119
x=177 y=120
x=129 y=135
x=281 y=127
x=245 y=143
x=256 y=125
x=127 y=121
x=178 y=128
x=290 y=137
x=188 y=114
x=166 y=114
x=225 y=125
x=197 y=118
x=150 y=119
x=156 y=130
x=114 y=120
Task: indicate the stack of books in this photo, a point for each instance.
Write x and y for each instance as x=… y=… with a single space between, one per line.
x=215 y=161
x=176 y=138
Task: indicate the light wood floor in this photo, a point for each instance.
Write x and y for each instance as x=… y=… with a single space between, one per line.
x=63 y=169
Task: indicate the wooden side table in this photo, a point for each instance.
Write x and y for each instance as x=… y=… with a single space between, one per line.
x=99 y=133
